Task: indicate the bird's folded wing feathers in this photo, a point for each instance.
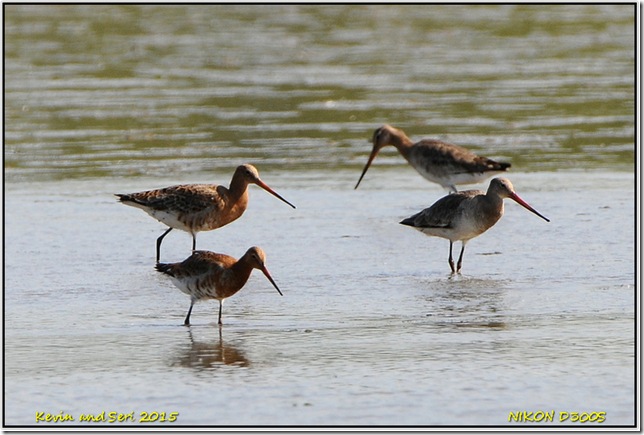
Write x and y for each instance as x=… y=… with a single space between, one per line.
x=190 y=198
x=441 y=213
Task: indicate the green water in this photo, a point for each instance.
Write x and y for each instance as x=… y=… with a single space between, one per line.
x=92 y=91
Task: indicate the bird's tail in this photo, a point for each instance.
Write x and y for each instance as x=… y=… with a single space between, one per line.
x=125 y=198
x=409 y=221
x=165 y=268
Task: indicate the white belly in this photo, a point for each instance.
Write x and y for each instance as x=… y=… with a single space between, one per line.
x=447 y=180
x=170 y=219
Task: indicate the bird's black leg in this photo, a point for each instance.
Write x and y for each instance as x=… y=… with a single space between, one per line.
x=460 y=260
x=451 y=260
x=187 y=321
x=221 y=303
x=194 y=242
x=159 y=240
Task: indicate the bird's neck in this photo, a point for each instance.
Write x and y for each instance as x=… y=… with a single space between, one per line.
x=238 y=186
x=236 y=201
x=402 y=143
x=238 y=275
x=491 y=209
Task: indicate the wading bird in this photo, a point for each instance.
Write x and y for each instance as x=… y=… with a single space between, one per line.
x=437 y=161
x=465 y=215
x=208 y=275
x=198 y=207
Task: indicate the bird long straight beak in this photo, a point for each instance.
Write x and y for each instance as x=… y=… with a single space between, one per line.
x=268 y=275
x=372 y=156
x=264 y=186
x=520 y=201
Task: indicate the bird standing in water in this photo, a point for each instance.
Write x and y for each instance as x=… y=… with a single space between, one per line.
x=198 y=207
x=465 y=215
x=208 y=275
x=437 y=161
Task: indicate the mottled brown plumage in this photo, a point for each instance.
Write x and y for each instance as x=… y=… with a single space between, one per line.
x=465 y=215
x=437 y=161
x=198 y=207
x=208 y=275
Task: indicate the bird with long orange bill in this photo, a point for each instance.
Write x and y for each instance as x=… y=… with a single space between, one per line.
x=208 y=275
x=439 y=162
x=465 y=215
x=198 y=207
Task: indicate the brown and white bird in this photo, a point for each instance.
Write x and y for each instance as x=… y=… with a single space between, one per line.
x=208 y=275
x=439 y=162
x=465 y=215
x=198 y=207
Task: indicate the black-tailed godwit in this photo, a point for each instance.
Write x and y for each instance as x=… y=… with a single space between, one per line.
x=198 y=207
x=437 y=161
x=207 y=275
x=465 y=215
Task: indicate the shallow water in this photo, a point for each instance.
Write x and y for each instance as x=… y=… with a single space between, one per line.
x=372 y=329
x=371 y=326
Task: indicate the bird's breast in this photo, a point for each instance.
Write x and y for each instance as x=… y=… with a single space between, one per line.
x=197 y=287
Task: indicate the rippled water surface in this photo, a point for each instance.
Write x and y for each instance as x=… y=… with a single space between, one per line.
x=372 y=329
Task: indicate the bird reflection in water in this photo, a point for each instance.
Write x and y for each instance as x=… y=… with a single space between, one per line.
x=467 y=304
x=210 y=354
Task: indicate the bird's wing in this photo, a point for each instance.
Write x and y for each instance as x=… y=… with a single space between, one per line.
x=188 y=198
x=201 y=263
x=441 y=214
x=454 y=158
